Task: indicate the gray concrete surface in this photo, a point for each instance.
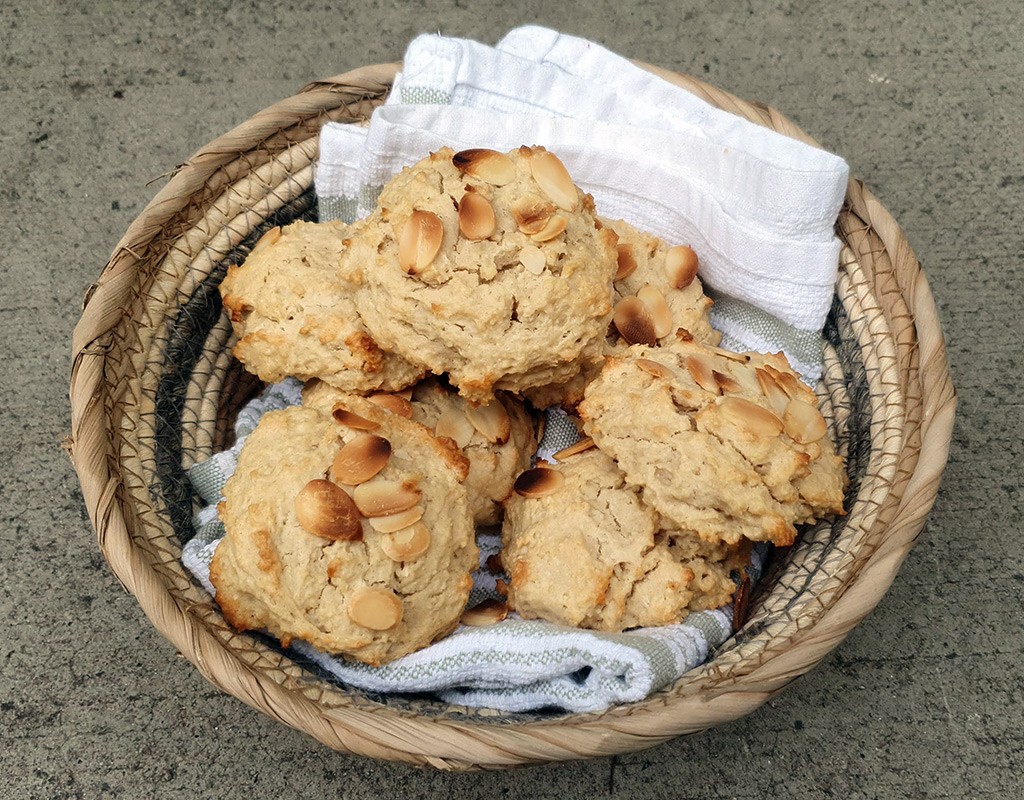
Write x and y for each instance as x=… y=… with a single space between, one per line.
x=925 y=100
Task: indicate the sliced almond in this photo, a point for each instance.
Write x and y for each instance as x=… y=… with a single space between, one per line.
x=739 y=358
x=406 y=393
x=554 y=228
x=633 y=321
x=373 y=608
x=395 y=522
x=487 y=165
x=394 y=403
x=455 y=425
x=538 y=482
x=626 y=261
x=773 y=392
x=727 y=383
x=532 y=214
x=407 y=544
x=420 y=240
x=476 y=216
x=382 y=498
x=346 y=417
x=267 y=239
x=486 y=613
x=655 y=368
x=750 y=417
x=533 y=259
x=661 y=314
x=325 y=509
x=360 y=459
x=787 y=381
x=680 y=266
x=803 y=422
x=584 y=444
x=554 y=179
x=491 y=419
x=702 y=373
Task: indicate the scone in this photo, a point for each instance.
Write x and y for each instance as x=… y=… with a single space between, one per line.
x=581 y=548
x=350 y=530
x=488 y=267
x=657 y=296
x=294 y=315
x=724 y=445
x=498 y=439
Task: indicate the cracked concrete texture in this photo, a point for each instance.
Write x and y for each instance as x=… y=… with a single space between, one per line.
x=924 y=100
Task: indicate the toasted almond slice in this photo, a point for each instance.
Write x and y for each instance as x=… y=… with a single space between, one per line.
x=554 y=228
x=626 y=261
x=373 y=608
x=476 y=216
x=360 y=459
x=633 y=321
x=702 y=373
x=655 y=368
x=788 y=382
x=454 y=424
x=533 y=259
x=407 y=544
x=325 y=509
x=680 y=266
x=486 y=613
x=751 y=417
x=773 y=392
x=584 y=444
x=739 y=358
x=394 y=403
x=538 y=482
x=346 y=417
x=803 y=422
x=661 y=314
x=491 y=419
x=554 y=179
x=395 y=522
x=270 y=237
x=487 y=165
x=406 y=393
x=532 y=214
x=382 y=498
x=421 y=239
x=727 y=383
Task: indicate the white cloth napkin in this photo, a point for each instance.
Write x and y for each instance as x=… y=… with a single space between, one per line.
x=516 y=665
x=758 y=208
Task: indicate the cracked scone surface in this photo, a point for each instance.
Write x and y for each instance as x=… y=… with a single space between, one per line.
x=586 y=551
x=673 y=298
x=723 y=445
x=293 y=313
x=485 y=266
x=302 y=563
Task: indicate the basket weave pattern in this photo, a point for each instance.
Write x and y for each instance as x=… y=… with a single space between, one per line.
x=154 y=388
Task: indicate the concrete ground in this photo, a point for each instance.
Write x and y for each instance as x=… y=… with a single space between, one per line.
x=926 y=102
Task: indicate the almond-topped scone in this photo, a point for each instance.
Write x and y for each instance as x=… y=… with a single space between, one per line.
x=488 y=267
x=657 y=294
x=581 y=548
x=497 y=438
x=294 y=315
x=725 y=445
x=348 y=529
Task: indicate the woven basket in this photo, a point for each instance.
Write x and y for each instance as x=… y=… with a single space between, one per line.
x=154 y=387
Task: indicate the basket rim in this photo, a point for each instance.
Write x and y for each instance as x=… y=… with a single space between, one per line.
x=879 y=241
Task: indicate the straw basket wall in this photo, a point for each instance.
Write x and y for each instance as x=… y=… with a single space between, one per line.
x=154 y=386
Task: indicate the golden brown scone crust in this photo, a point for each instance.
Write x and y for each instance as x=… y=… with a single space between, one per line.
x=511 y=310
x=294 y=315
x=270 y=571
x=726 y=446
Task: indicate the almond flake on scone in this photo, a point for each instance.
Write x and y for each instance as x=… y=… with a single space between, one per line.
x=489 y=267
x=348 y=529
x=295 y=316
x=725 y=445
